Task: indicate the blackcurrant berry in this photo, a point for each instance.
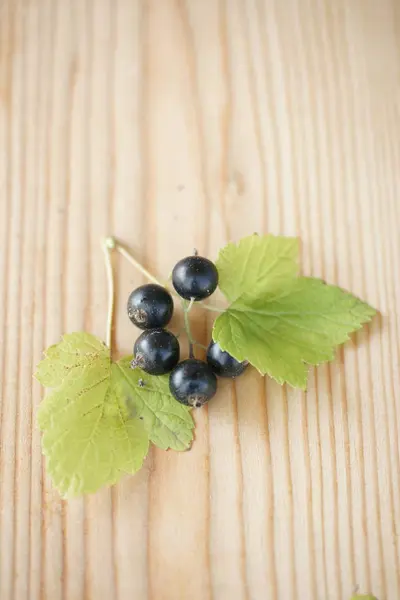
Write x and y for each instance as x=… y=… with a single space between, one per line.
x=195 y=277
x=222 y=363
x=150 y=306
x=192 y=382
x=156 y=351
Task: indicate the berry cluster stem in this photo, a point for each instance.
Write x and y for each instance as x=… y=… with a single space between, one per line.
x=126 y=254
x=114 y=244
x=211 y=307
x=186 y=308
x=107 y=249
x=110 y=244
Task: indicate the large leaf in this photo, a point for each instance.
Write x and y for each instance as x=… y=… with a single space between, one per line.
x=283 y=330
x=89 y=436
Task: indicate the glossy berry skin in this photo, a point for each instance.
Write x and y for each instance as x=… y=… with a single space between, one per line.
x=150 y=306
x=195 y=277
x=192 y=382
x=156 y=351
x=222 y=363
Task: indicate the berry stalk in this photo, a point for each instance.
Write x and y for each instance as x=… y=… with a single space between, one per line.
x=126 y=254
x=108 y=246
x=186 y=308
x=211 y=307
x=112 y=243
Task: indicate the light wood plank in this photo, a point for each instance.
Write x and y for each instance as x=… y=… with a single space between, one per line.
x=176 y=124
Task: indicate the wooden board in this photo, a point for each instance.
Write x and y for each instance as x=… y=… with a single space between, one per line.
x=176 y=124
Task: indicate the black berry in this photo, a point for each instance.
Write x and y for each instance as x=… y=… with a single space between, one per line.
x=156 y=351
x=195 y=277
x=150 y=306
x=192 y=382
x=222 y=363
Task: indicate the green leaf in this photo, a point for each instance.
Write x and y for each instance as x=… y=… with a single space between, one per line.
x=168 y=423
x=89 y=436
x=286 y=328
x=71 y=356
x=257 y=264
x=363 y=597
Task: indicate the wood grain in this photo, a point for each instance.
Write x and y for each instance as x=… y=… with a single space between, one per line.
x=176 y=124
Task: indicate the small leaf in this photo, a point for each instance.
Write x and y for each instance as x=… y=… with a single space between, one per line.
x=363 y=597
x=257 y=264
x=89 y=437
x=282 y=330
x=168 y=423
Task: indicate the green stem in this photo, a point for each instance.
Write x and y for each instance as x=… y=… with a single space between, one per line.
x=107 y=249
x=112 y=243
x=200 y=345
x=189 y=307
x=126 y=254
x=109 y=244
x=211 y=307
x=186 y=308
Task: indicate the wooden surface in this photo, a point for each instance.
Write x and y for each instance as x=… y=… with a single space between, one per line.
x=176 y=124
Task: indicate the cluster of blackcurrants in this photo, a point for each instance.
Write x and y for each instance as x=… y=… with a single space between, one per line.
x=156 y=351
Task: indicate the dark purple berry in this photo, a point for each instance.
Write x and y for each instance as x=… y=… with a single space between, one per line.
x=156 y=351
x=150 y=306
x=192 y=382
x=195 y=277
x=222 y=363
